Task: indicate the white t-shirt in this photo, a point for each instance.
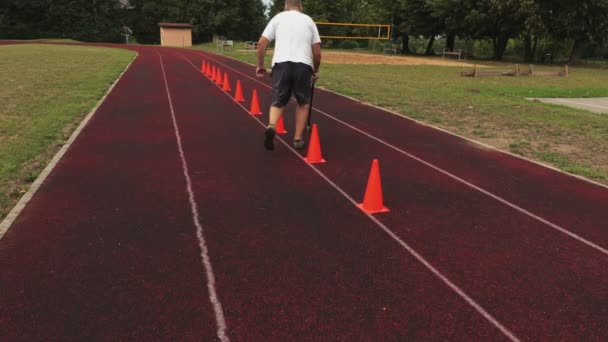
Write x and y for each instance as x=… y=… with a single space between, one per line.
x=295 y=33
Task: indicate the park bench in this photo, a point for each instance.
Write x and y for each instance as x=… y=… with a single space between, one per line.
x=449 y=52
x=392 y=49
x=222 y=43
x=251 y=46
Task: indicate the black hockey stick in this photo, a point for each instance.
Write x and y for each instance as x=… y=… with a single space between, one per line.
x=312 y=95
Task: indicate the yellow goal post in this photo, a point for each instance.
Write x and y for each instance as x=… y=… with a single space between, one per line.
x=329 y=30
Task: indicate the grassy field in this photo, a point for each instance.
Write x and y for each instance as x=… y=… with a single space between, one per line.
x=45 y=91
x=492 y=110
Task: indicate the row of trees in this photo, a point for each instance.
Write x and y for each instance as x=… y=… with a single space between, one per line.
x=88 y=20
x=103 y=20
x=237 y=19
x=584 y=22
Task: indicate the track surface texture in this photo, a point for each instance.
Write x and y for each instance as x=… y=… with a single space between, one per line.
x=167 y=220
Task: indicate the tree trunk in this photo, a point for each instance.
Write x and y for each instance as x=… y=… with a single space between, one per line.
x=534 y=47
x=500 y=45
x=405 y=48
x=577 y=49
x=528 y=57
x=450 y=42
x=429 y=48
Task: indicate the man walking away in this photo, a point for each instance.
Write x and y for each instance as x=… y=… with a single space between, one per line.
x=295 y=64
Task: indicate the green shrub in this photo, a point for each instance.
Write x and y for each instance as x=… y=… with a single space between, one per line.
x=349 y=45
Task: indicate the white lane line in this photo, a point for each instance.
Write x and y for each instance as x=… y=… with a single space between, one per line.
x=217 y=306
x=451 y=175
x=27 y=197
x=394 y=236
x=580 y=103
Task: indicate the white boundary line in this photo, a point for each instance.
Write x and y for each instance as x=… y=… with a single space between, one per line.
x=18 y=208
x=217 y=306
x=580 y=103
x=447 y=173
x=405 y=117
x=394 y=236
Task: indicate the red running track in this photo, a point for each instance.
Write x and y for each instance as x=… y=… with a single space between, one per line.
x=108 y=247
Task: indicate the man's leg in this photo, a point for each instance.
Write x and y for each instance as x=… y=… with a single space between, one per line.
x=271 y=132
x=275 y=114
x=301 y=118
x=303 y=94
x=281 y=92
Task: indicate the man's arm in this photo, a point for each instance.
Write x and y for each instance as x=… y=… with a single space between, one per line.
x=262 y=44
x=316 y=50
x=316 y=56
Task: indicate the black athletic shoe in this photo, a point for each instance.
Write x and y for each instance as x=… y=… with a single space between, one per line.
x=269 y=138
x=299 y=144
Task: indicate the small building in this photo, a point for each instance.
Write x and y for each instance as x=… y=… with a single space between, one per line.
x=175 y=34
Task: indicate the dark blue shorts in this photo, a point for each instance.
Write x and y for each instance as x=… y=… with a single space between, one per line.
x=291 y=78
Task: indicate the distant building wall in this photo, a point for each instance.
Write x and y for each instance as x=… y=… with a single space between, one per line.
x=175 y=35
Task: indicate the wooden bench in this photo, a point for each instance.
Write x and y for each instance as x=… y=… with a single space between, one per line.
x=448 y=52
x=392 y=49
x=222 y=43
x=251 y=46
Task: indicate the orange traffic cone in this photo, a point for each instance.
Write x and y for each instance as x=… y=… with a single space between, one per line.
x=213 y=73
x=218 y=77
x=255 y=104
x=314 y=148
x=208 y=70
x=226 y=86
x=238 y=95
x=372 y=202
x=281 y=126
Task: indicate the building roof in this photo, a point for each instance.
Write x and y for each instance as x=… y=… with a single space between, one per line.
x=175 y=25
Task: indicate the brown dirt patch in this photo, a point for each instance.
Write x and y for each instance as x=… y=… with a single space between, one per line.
x=335 y=57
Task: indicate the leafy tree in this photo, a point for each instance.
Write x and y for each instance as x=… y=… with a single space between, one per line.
x=93 y=20
x=582 y=21
x=452 y=13
x=237 y=19
x=23 y=19
x=582 y=24
x=534 y=28
x=393 y=12
x=85 y=20
x=420 y=22
x=276 y=7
